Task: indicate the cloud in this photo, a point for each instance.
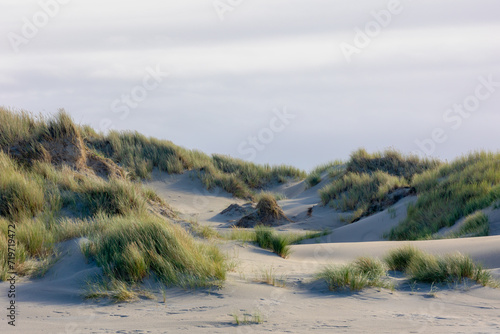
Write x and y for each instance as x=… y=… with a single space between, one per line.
x=227 y=76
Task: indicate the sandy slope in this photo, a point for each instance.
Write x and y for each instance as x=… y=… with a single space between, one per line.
x=53 y=305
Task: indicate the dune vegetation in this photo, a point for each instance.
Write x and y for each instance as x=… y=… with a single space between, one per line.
x=365 y=183
x=424 y=267
x=447 y=192
x=60 y=181
x=139 y=155
x=364 y=272
x=450 y=192
x=474 y=225
x=53 y=187
x=315 y=176
x=418 y=266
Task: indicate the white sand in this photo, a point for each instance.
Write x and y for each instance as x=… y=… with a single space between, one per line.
x=53 y=305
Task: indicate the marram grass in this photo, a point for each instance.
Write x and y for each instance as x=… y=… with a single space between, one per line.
x=133 y=247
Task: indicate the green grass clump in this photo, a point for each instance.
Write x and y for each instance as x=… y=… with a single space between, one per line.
x=313 y=179
x=21 y=194
x=212 y=177
x=280 y=243
x=355 y=190
x=475 y=225
x=424 y=267
x=362 y=273
x=391 y=162
x=449 y=268
x=18 y=126
x=242 y=234
x=370 y=267
x=37 y=239
x=449 y=193
x=399 y=259
x=268 y=239
x=116 y=197
x=132 y=247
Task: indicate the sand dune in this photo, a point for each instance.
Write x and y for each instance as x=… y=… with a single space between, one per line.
x=54 y=305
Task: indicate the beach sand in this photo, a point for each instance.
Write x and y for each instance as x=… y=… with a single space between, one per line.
x=53 y=304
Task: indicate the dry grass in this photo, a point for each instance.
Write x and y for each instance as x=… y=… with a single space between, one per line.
x=271 y=277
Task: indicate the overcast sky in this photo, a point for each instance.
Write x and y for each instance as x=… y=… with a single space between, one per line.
x=272 y=81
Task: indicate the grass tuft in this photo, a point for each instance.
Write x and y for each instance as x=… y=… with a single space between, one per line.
x=21 y=193
x=449 y=268
x=425 y=267
x=475 y=225
x=399 y=259
x=362 y=273
x=132 y=247
x=268 y=239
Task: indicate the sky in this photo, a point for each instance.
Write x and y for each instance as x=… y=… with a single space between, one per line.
x=269 y=81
